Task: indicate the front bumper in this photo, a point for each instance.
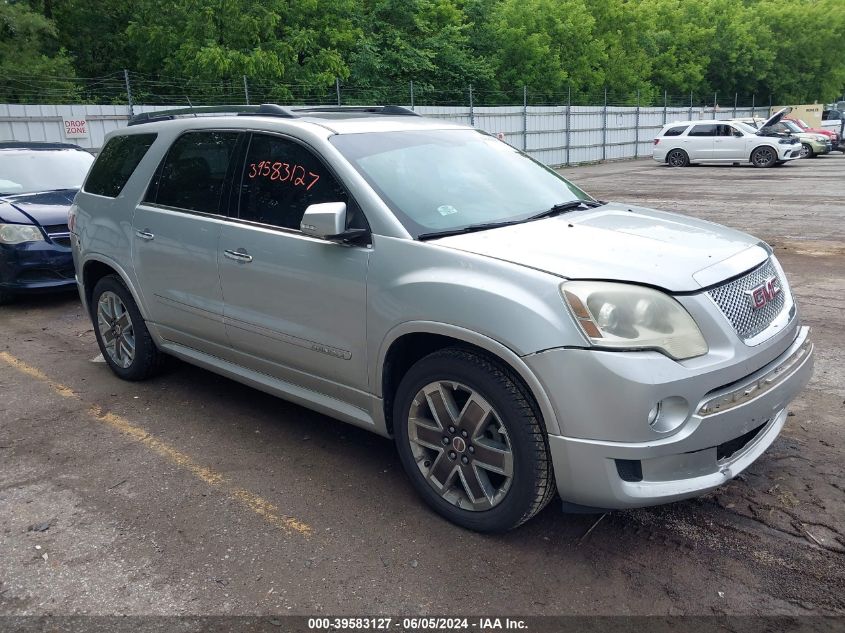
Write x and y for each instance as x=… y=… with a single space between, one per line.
x=723 y=433
x=35 y=267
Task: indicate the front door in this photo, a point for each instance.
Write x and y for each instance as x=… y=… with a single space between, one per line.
x=176 y=234
x=294 y=305
x=730 y=144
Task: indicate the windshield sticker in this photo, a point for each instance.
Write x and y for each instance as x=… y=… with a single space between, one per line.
x=446 y=209
x=283 y=172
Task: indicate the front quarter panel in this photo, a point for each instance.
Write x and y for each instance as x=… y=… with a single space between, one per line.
x=478 y=299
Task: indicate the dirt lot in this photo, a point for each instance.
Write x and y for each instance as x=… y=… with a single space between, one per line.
x=191 y=494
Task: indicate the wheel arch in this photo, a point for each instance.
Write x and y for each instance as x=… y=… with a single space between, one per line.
x=756 y=147
x=677 y=149
x=95 y=268
x=409 y=342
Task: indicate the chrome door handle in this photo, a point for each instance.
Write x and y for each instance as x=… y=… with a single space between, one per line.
x=238 y=256
x=145 y=235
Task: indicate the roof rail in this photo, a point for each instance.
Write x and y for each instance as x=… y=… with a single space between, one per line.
x=265 y=109
x=385 y=110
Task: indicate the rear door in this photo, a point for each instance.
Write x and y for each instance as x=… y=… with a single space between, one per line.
x=700 y=141
x=176 y=233
x=295 y=306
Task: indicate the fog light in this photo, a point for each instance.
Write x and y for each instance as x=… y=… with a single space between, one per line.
x=668 y=414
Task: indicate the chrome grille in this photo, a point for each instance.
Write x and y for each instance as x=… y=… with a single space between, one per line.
x=733 y=299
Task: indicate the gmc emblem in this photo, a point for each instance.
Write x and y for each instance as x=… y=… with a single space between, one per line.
x=760 y=295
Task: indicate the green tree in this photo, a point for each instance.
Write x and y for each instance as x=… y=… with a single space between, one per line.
x=626 y=31
x=805 y=46
x=32 y=67
x=546 y=45
x=424 y=41
x=215 y=42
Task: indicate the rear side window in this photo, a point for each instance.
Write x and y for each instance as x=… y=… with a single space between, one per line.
x=193 y=172
x=703 y=130
x=281 y=179
x=675 y=131
x=116 y=162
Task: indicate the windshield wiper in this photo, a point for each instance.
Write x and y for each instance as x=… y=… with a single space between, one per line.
x=472 y=228
x=563 y=207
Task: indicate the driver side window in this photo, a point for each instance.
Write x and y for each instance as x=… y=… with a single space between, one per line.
x=281 y=179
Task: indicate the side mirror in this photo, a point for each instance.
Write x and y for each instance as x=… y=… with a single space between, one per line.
x=738 y=134
x=327 y=221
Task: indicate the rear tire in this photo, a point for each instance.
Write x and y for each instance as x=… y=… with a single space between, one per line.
x=122 y=335
x=677 y=158
x=470 y=438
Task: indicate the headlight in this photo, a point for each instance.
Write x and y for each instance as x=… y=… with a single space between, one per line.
x=623 y=316
x=18 y=233
x=786 y=141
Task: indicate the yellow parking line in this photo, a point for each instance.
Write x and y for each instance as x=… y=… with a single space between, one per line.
x=260 y=506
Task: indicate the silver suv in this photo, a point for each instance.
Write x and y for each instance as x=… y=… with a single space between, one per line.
x=430 y=283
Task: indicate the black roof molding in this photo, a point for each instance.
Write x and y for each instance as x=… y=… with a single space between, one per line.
x=384 y=110
x=265 y=109
x=38 y=145
x=268 y=109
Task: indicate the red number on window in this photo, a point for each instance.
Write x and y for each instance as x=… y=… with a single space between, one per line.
x=313 y=182
x=277 y=166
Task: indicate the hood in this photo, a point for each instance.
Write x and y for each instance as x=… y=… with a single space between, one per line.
x=621 y=243
x=776 y=117
x=49 y=207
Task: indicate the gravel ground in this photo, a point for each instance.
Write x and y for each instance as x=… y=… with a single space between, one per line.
x=192 y=494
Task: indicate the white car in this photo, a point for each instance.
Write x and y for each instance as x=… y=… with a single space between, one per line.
x=685 y=142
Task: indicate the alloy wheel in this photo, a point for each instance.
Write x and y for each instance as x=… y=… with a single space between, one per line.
x=460 y=445
x=677 y=158
x=764 y=156
x=116 y=329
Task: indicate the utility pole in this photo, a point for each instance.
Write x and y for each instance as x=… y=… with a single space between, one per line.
x=524 y=118
x=246 y=91
x=128 y=92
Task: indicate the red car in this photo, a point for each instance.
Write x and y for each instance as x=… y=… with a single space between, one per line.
x=834 y=137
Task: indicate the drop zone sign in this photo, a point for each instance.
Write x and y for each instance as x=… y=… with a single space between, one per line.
x=75 y=128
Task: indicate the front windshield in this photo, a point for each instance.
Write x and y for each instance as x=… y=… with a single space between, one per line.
x=446 y=180
x=802 y=124
x=792 y=127
x=29 y=171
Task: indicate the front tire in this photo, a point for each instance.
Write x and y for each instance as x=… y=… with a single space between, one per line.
x=806 y=151
x=764 y=156
x=677 y=158
x=471 y=440
x=122 y=335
